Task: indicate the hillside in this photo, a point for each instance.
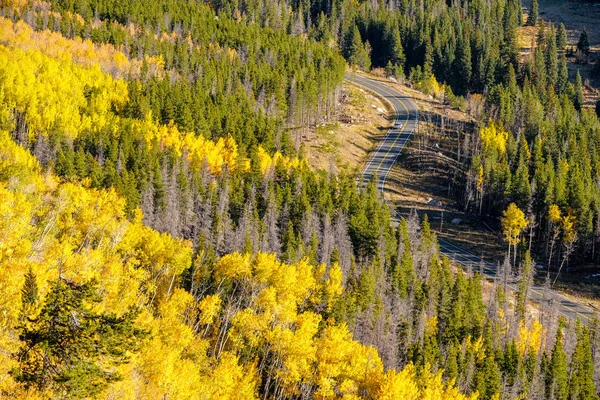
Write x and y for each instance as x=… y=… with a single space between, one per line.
x=180 y=217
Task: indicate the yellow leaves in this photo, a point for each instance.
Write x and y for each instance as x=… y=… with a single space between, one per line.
x=171 y=372
x=530 y=340
x=234 y=266
x=568 y=226
x=430 y=85
x=431 y=326
x=56 y=92
x=480 y=179
x=156 y=252
x=400 y=385
x=267 y=163
x=494 y=137
x=296 y=349
x=209 y=308
x=340 y=358
x=59 y=84
x=567 y=223
x=15 y=226
x=217 y=155
x=248 y=329
x=426 y=386
x=82 y=51
x=475 y=347
x=513 y=223
x=433 y=388
x=333 y=285
x=554 y=214
x=231 y=380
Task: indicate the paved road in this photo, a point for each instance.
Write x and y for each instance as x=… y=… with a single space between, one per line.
x=384 y=158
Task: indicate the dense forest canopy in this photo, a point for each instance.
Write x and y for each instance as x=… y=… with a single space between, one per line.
x=162 y=235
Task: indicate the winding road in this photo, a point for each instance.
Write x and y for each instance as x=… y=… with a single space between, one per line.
x=384 y=158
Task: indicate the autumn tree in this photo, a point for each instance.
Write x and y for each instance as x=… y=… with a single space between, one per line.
x=513 y=223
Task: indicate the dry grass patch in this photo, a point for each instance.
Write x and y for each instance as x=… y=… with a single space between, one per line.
x=345 y=144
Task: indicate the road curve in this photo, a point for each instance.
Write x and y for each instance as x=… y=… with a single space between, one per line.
x=384 y=158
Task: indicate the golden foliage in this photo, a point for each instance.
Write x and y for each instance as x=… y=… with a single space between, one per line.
x=513 y=223
x=53 y=44
x=493 y=137
x=267 y=162
x=58 y=94
x=81 y=234
x=554 y=214
x=530 y=340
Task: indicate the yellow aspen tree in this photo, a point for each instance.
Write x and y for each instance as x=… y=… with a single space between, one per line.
x=513 y=223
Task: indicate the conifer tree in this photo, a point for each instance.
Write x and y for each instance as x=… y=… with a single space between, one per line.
x=462 y=67
x=581 y=384
x=488 y=380
x=578 y=98
x=583 y=45
x=451 y=371
x=563 y=76
x=510 y=364
x=551 y=55
x=356 y=51
x=29 y=293
x=519 y=185
x=534 y=10
x=561 y=37
x=524 y=286
x=557 y=376
x=66 y=347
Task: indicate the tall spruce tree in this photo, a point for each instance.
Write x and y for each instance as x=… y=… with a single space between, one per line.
x=557 y=375
x=534 y=11
x=583 y=45
x=578 y=98
x=561 y=37
x=562 y=81
x=462 y=67
x=581 y=385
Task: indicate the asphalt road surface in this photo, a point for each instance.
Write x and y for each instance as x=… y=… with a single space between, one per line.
x=384 y=158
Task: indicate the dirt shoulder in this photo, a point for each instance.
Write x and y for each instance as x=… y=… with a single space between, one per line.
x=344 y=145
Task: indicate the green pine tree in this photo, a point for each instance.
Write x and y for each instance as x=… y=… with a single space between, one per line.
x=487 y=379
x=71 y=349
x=462 y=67
x=534 y=11
x=551 y=56
x=451 y=368
x=510 y=364
x=356 y=51
x=557 y=377
x=29 y=293
x=563 y=76
x=579 y=99
x=523 y=287
x=583 y=45
x=561 y=37
x=581 y=385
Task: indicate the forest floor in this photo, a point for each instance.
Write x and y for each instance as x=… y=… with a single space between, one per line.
x=576 y=15
x=344 y=145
